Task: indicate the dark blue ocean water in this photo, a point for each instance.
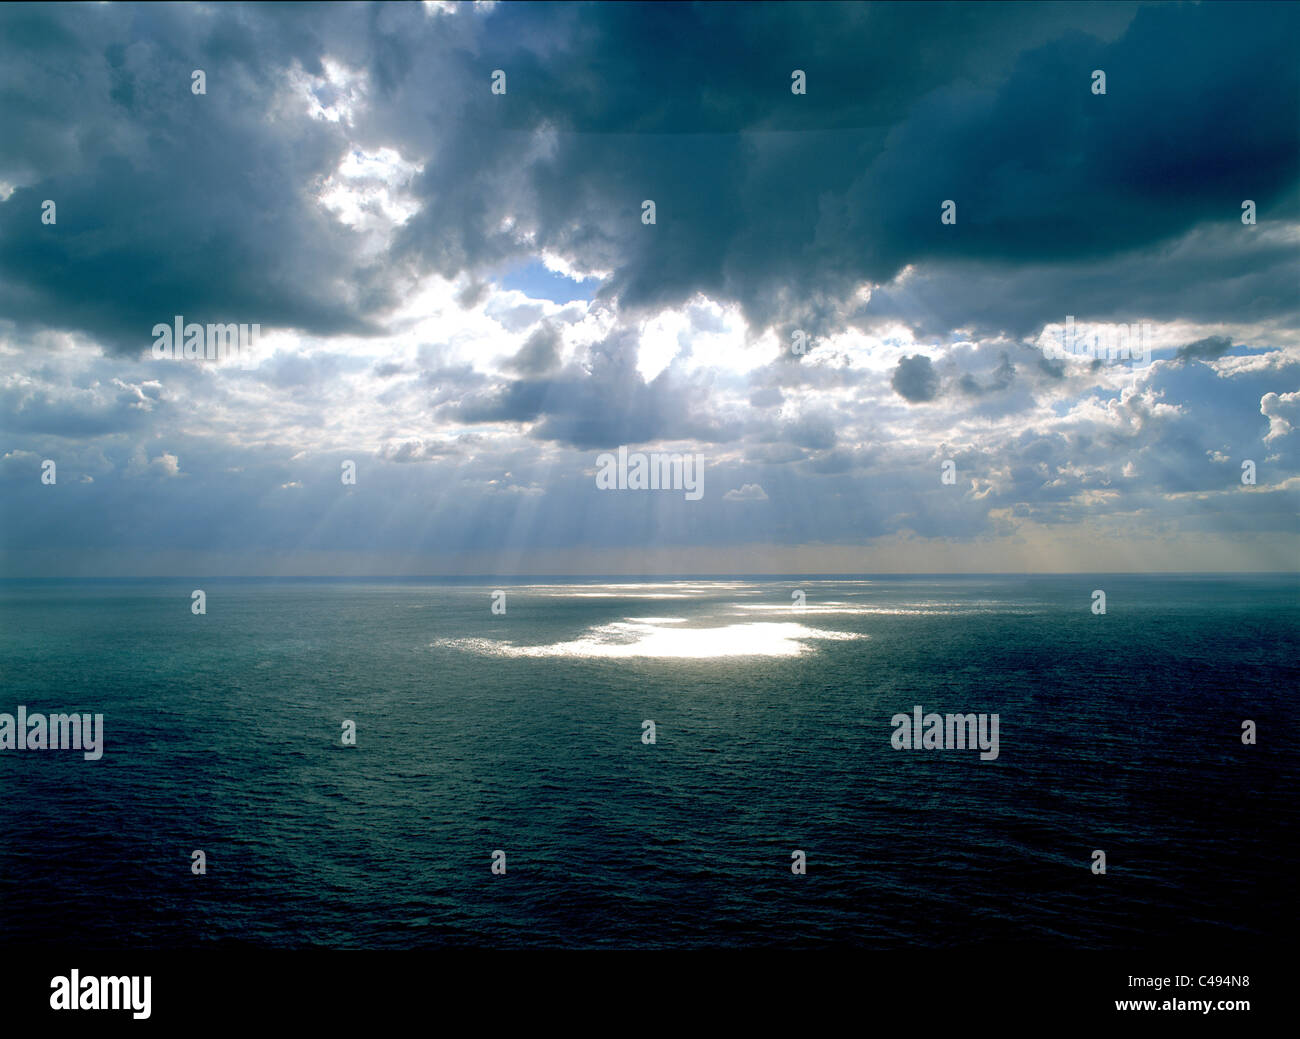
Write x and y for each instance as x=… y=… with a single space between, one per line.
x=522 y=732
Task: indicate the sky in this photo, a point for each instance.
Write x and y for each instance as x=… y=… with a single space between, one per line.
x=457 y=290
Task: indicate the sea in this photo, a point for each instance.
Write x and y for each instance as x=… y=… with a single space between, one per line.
x=420 y=763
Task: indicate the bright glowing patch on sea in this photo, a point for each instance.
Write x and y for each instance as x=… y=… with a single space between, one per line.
x=640 y=639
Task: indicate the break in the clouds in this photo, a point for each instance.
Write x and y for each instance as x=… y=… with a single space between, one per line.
x=458 y=291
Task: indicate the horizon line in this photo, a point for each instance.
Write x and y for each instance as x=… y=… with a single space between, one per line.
x=809 y=575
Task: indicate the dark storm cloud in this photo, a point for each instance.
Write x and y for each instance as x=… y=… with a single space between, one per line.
x=167 y=202
x=1208 y=349
x=915 y=379
x=783 y=202
x=1240 y=273
x=171 y=203
x=540 y=352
